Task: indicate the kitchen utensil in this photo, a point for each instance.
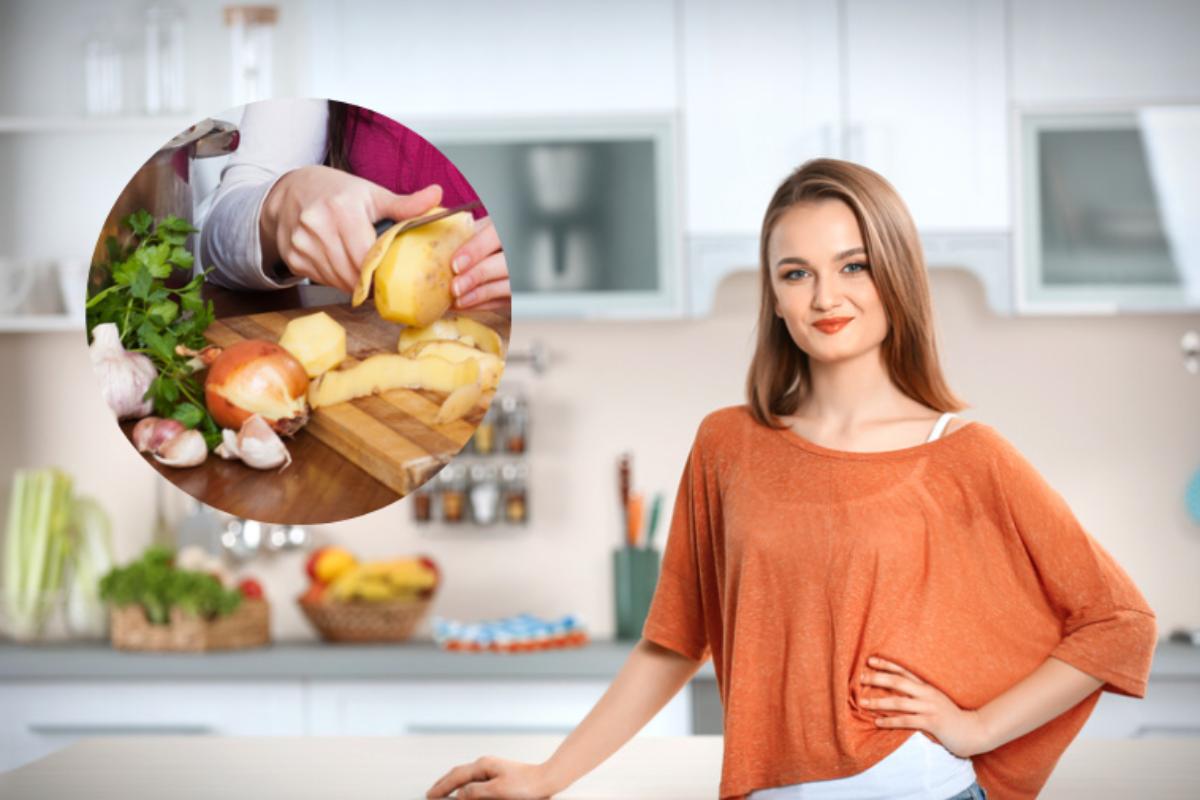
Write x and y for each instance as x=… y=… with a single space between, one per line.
x=385 y=225
x=655 y=509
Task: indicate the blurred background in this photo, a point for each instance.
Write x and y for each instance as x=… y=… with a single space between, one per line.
x=1050 y=158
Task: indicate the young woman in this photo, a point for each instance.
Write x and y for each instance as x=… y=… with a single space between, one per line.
x=896 y=603
x=310 y=178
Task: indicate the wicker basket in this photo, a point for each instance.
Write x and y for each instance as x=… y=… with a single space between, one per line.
x=384 y=621
x=248 y=626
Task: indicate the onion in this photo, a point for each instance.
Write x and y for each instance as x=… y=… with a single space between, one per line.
x=257 y=377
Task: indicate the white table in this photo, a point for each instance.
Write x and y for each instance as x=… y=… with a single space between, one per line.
x=403 y=768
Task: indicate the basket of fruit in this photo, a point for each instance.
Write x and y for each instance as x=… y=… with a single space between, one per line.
x=370 y=601
x=164 y=602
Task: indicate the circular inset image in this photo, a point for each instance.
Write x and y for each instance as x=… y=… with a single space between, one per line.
x=298 y=311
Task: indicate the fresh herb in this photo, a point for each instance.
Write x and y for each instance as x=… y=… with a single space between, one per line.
x=153 y=583
x=154 y=318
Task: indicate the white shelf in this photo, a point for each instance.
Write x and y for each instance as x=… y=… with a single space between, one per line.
x=169 y=125
x=40 y=323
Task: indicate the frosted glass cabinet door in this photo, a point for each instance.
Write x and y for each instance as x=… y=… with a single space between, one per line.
x=585 y=209
x=1110 y=210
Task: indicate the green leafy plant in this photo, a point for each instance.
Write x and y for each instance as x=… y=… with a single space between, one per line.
x=154 y=318
x=157 y=586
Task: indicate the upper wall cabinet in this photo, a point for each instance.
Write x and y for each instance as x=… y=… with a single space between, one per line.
x=494 y=59
x=926 y=106
x=916 y=91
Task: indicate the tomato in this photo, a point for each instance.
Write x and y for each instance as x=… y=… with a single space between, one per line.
x=251 y=589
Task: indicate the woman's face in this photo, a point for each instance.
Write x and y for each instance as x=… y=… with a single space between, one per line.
x=819 y=271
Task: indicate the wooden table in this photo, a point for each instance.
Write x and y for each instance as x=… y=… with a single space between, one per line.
x=321 y=485
x=403 y=768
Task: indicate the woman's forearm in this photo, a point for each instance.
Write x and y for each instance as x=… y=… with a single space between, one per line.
x=1041 y=696
x=650 y=677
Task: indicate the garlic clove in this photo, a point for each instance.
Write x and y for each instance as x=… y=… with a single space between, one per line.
x=260 y=447
x=151 y=433
x=186 y=449
x=228 y=448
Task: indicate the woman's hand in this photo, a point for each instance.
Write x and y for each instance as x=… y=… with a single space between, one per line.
x=482 y=270
x=321 y=222
x=923 y=708
x=491 y=778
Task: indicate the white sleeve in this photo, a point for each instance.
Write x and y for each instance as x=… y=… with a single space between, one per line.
x=275 y=137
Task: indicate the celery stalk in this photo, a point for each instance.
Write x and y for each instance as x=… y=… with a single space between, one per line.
x=36 y=544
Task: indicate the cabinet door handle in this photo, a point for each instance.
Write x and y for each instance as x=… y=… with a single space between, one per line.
x=1166 y=731
x=105 y=729
x=418 y=729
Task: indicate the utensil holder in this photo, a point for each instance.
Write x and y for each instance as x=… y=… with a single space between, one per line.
x=635 y=577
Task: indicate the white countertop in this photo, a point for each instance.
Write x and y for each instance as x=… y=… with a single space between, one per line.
x=403 y=768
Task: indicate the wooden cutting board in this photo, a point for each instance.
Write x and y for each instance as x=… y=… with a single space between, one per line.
x=391 y=436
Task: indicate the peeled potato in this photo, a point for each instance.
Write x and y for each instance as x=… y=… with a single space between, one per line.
x=412 y=275
x=317 y=342
x=463 y=329
x=382 y=372
x=490 y=367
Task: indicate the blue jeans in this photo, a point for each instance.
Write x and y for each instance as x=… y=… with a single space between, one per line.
x=972 y=792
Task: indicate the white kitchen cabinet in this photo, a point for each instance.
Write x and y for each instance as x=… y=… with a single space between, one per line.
x=760 y=95
x=1169 y=709
x=387 y=708
x=493 y=59
x=1104 y=51
x=916 y=91
x=40 y=717
x=925 y=106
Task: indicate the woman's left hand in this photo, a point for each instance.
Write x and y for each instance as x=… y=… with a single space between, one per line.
x=481 y=271
x=920 y=706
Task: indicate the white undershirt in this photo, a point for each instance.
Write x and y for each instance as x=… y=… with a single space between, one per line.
x=275 y=136
x=920 y=769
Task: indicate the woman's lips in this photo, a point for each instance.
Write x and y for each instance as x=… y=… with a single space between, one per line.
x=832 y=325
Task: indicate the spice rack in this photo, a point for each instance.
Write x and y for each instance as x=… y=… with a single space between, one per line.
x=488 y=482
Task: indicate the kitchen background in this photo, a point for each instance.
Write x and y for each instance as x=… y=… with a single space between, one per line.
x=1086 y=376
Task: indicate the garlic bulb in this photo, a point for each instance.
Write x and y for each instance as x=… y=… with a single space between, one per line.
x=256 y=444
x=151 y=433
x=124 y=377
x=186 y=449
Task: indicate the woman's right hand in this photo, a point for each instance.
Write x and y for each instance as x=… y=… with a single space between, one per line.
x=321 y=222
x=491 y=778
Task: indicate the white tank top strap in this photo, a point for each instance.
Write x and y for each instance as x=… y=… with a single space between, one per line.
x=940 y=425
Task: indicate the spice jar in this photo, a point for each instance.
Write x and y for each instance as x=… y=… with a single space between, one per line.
x=484 y=439
x=452 y=488
x=513 y=410
x=422 y=505
x=484 y=493
x=514 y=478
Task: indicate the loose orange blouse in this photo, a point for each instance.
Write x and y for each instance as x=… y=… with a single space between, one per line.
x=790 y=564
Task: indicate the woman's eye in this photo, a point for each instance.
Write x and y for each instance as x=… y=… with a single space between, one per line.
x=792 y=274
x=864 y=267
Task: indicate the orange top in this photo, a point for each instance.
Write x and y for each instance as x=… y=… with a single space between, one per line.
x=790 y=564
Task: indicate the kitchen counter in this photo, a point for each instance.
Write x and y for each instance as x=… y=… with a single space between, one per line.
x=403 y=768
x=419 y=659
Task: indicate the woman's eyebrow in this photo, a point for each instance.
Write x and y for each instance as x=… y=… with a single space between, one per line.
x=797 y=260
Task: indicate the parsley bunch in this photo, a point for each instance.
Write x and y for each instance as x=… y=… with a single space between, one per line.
x=156 y=585
x=154 y=318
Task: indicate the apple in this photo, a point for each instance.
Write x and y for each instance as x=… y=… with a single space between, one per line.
x=429 y=564
x=310 y=566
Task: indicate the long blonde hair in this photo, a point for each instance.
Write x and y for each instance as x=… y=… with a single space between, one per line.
x=779 y=376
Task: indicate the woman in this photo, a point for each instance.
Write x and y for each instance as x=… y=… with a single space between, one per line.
x=892 y=611
x=301 y=196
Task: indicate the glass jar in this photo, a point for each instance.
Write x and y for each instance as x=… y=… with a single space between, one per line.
x=251 y=48
x=452 y=491
x=514 y=479
x=484 y=439
x=515 y=425
x=164 y=59
x=485 y=494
